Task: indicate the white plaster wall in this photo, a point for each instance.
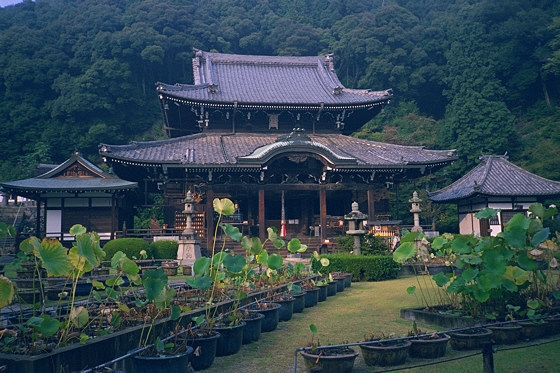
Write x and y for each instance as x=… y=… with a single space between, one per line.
x=54 y=222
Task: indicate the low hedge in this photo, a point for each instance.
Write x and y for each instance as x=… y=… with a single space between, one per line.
x=130 y=246
x=165 y=249
x=362 y=267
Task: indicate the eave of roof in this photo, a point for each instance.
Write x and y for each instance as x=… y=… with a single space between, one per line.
x=496 y=176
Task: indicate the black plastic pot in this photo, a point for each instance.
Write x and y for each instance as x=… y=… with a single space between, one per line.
x=311 y=297
x=331 y=288
x=162 y=364
x=299 y=301
x=206 y=350
x=252 y=329
x=286 y=308
x=271 y=318
x=347 y=279
x=323 y=290
x=230 y=340
x=339 y=284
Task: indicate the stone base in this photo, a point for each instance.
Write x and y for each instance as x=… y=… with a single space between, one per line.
x=188 y=252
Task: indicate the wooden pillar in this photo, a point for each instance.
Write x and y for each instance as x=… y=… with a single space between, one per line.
x=209 y=215
x=323 y=207
x=113 y=216
x=370 y=205
x=38 y=217
x=262 y=228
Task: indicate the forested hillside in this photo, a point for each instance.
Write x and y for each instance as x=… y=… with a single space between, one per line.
x=479 y=76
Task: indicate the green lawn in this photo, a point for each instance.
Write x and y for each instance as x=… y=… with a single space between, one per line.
x=361 y=310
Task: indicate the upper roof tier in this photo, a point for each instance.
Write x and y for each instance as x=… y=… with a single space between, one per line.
x=496 y=176
x=255 y=149
x=75 y=175
x=307 y=81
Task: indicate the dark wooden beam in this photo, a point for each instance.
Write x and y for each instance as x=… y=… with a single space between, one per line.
x=209 y=216
x=262 y=223
x=323 y=207
x=370 y=204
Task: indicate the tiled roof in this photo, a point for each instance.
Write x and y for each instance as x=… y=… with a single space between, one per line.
x=219 y=149
x=228 y=78
x=48 y=182
x=496 y=176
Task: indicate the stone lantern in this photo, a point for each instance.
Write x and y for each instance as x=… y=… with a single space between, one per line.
x=189 y=248
x=415 y=210
x=356 y=221
x=189 y=211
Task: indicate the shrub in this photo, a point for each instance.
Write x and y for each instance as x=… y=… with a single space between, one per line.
x=370 y=244
x=362 y=267
x=130 y=246
x=165 y=249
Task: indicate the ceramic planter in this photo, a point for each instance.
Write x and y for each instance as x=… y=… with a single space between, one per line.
x=161 y=364
x=271 y=318
x=252 y=329
x=347 y=279
x=337 y=362
x=231 y=339
x=311 y=297
x=533 y=330
x=429 y=348
x=386 y=353
x=323 y=290
x=505 y=334
x=470 y=339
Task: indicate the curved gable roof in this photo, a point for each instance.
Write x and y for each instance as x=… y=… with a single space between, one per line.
x=496 y=176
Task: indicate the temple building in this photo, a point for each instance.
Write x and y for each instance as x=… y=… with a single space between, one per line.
x=496 y=183
x=75 y=192
x=272 y=134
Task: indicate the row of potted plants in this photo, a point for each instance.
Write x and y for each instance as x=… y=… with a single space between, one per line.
x=132 y=304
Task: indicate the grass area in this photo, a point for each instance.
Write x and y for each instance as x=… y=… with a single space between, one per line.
x=361 y=310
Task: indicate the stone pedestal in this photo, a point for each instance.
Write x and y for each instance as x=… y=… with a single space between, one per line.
x=188 y=251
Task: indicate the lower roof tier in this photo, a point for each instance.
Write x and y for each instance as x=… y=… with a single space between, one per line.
x=245 y=150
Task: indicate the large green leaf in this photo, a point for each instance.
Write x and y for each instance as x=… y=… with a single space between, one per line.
x=79 y=316
x=538 y=210
x=471 y=259
x=487 y=280
x=6 y=291
x=480 y=294
x=165 y=298
x=518 y=221
x=516 y=237
x=460 y=245
x=27 y=246
x=487 y=213
x=274 y=261
x=44 y=324
x=53 y=257
x=313 y=328
x=85 y=245
x=540 y=237
x=494 y=261
x=201 y=266
x=525 y=262
x=262 y=258
x=438 y=243
x=411 y=289
x=411 y=237
x=457 y=285
x=128 y=266
x=469 y=274
x=232 y=232
x=510 y=286
x=234 y=263
x=116 y=258
x=202 y=283
x=441 y=278
x=77 y=230
x=154 y=282
x=404 y=252
x=224 y=206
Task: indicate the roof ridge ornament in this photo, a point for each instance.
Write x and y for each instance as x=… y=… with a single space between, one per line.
x=297 y=135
